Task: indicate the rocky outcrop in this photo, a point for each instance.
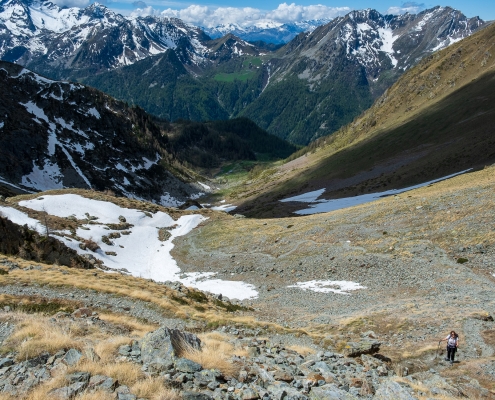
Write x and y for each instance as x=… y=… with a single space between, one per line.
x=356 y=349
x=164 y=345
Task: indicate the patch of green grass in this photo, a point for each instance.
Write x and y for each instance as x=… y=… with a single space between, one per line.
x=256 y=61
x=236 y=76
x=43 y=307
x=462 y=260
x=198 y=297
x=229 y=307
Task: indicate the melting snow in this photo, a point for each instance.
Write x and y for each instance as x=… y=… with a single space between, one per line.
x=340 y=287
x=168 y=201
x=19 y=218
x=388 y=40
x=141 y=252
x=94 y=112
x=224 y=207
x=308 y=197
x=321 y=206
x=204 y=186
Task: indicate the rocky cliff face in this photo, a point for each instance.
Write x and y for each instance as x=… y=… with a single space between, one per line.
x=55 y=135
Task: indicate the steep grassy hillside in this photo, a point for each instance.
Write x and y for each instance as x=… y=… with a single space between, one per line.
x=436 y=120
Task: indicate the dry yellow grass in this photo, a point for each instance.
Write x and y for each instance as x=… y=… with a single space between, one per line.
x=154 y=389
x=303 y=350
x=35 y=335
x=128 y=286
x=135 y=327
x=216 y=353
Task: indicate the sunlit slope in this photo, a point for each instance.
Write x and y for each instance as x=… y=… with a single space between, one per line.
x=436 y=120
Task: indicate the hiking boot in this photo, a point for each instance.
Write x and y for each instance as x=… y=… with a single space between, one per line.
x=447 y=359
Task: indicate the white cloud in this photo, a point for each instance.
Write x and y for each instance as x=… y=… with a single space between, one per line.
x=409 y=7
x=247 y=16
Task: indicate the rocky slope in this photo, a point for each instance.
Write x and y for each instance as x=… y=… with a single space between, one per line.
x=423 y=259
x=71 y=42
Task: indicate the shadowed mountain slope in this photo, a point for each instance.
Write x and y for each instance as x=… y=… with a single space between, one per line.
x=435 y=121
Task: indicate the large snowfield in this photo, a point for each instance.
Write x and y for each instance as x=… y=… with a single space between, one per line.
x=140 y=252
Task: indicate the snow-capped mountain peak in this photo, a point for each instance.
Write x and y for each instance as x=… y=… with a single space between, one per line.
x=42 y=33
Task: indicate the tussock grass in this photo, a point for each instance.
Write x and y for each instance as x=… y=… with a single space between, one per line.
x=36 y=335
x=216 y=353
x=154 y=389
x=135 y=327
x=126 y=373
x=108 y=349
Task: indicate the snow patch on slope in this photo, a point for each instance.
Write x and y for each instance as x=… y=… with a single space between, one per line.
x=141 y=252
x=340 y=287
x=320 y=206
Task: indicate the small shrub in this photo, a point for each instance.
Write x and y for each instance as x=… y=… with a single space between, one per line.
x=229 y=307
x=90 y=244
x=3 y=272
x=198 y=297
x=462 y=260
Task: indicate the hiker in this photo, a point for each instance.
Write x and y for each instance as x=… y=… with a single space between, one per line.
x=452 y=344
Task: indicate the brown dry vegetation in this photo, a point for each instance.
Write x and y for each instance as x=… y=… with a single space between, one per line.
x=216 y=353
x=35 y=334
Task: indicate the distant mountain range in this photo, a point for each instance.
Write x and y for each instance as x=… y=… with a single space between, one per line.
x=268 y=32
x=306 y=89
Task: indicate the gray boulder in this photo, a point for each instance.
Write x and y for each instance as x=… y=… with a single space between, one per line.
x=356 y=349
x=164 y=345
x=103 y=382
x=78 y=377
x=331 y=392
x=187 y=366
x=282 y=391
x=72 y=357
x=392 y=390
x=187 y=395
x=67 y=392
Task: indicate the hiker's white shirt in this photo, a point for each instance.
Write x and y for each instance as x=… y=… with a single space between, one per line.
x=451 y=341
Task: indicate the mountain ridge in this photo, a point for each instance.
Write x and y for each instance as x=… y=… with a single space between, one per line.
x=434 y=121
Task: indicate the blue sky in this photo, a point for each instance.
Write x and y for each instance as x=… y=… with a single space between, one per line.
x=213 y=12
